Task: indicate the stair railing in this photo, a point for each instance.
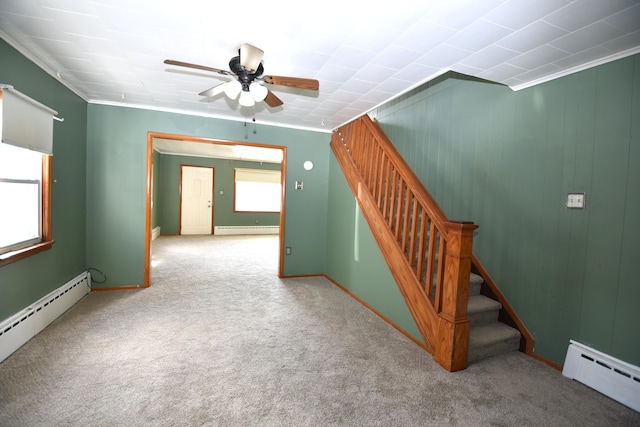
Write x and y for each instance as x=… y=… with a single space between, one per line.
x=428 y=255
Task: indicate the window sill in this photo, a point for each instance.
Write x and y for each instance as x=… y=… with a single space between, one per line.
x=10 y=257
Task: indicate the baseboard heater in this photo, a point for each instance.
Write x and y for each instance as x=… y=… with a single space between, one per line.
x=24 y=325
x=248 y=229
x=612 y=377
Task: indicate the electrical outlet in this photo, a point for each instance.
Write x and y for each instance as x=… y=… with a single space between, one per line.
x=287 y=250
x=299 y=185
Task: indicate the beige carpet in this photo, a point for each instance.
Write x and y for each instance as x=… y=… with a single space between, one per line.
x=219 y=340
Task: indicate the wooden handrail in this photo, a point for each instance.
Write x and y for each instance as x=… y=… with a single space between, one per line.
x=428 y=255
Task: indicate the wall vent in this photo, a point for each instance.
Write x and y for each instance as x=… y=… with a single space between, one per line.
x=24 y=325
x=612 y=377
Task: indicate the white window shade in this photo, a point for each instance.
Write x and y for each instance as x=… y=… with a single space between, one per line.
x=258 y=175
x=25 y=122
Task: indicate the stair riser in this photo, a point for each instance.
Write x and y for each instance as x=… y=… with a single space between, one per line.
x=483 y=318
x=494 y=349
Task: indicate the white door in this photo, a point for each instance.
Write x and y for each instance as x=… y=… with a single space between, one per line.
x=196 y=200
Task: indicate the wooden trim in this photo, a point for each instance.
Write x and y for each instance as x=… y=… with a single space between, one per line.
x=27 y=252
x=147 y=219
x=380 y=315
x=507 y=314
x=119 y=288
x=283 y=177
x=547 y=361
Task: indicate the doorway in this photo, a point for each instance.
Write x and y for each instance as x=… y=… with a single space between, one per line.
x=196 y=199
x=191 y=145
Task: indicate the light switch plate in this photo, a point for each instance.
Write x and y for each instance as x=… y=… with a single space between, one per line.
x=575 y=200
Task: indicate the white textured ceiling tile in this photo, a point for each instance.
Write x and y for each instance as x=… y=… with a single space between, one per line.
x=516 y=14
x=443 y=56
x=584 y=38
x=92 y=44
x=534 y=58
x=393 y=86
x=424 y=36
x=351 y=58
x=478 y=35
x=586 y=56
x=415 y=73
x=360 y=86
x=584 y=12
x=627 y=20
x=102 y=48
x=335 y=73
x=461 y=13
x=466 y=69
x=395 y=56
x=539 y=72
x=629 y=42
x=489 y=56
x=501 y=72
x=532 y=36
x=374 y=73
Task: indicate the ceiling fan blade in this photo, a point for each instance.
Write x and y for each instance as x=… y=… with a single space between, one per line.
x=296 y=82
x=250 y=57
x=196 y=66
x=272 y=100
x=213 y=91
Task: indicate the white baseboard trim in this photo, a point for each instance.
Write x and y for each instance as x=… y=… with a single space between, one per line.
x=155 y=233
x=224 y=230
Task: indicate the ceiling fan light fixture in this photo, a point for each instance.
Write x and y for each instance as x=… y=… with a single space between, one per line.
x=250 y=57
x=246 y=99
x=232 y=89
x=258 y=91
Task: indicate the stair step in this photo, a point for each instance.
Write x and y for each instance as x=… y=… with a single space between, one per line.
x=491 y=340
x=475 y=282
x=482 y=310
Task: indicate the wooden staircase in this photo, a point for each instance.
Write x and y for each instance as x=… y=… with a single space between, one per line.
x=460 y=312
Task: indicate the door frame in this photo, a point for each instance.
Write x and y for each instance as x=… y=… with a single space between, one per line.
x=150 y=138
x=213 y=186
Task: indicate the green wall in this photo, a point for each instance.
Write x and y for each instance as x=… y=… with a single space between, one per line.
x=354 y=259
x=168 y=192
x=506 y=160
x=116 y=185
x=25 y=281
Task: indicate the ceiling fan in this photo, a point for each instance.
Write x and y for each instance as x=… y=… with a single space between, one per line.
x=248 y=72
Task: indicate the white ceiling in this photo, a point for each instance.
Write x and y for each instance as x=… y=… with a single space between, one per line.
x=112 y=51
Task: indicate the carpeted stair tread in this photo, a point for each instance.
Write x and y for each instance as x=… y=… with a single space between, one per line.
x=482 y=310
x=492 y=339
x=475 y=283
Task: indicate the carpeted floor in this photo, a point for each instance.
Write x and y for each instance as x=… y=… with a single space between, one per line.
x=220 y=340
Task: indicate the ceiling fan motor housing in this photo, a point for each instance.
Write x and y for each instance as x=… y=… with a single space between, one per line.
x=244 y=77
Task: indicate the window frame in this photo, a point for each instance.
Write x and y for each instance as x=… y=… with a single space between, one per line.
x=46 y=242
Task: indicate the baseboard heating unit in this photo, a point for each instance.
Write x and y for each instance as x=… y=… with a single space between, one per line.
x=612 y=377
x=224 y=230
x=24 y=325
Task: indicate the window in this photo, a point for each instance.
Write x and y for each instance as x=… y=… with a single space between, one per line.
x=257 y=190
x=25 y=176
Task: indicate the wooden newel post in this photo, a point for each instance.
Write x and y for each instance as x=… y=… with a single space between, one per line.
x=453 y=324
